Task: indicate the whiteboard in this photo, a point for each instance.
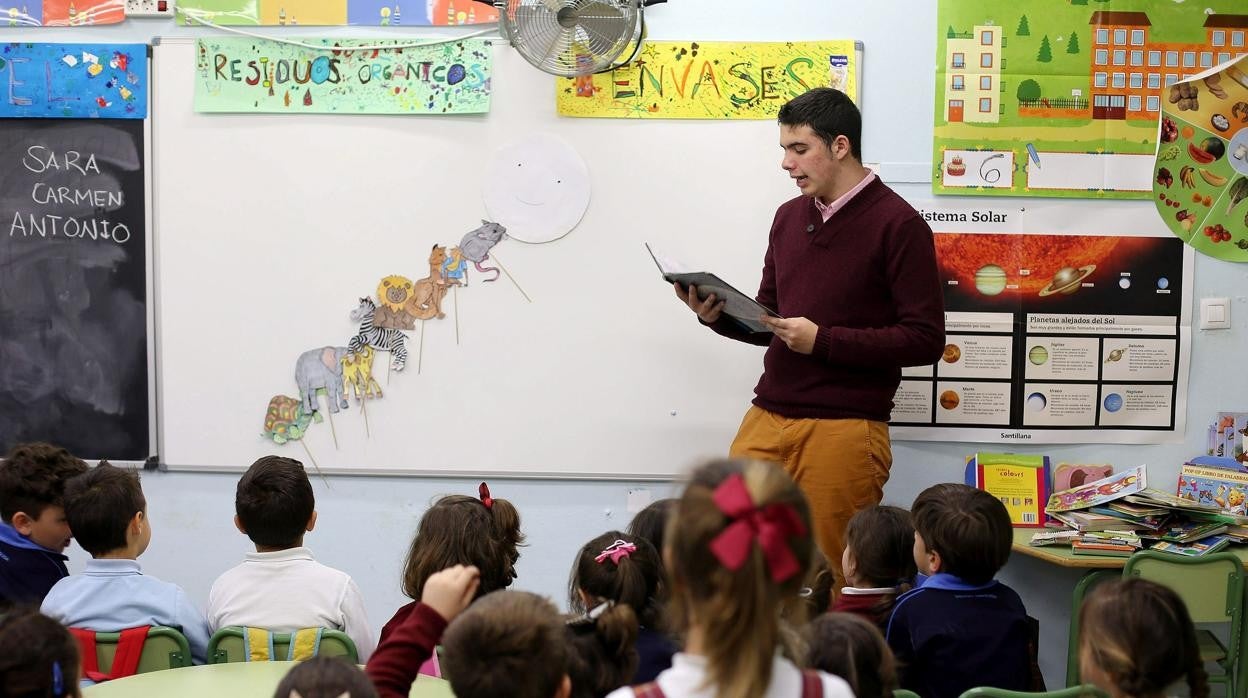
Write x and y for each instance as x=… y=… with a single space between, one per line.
x=271 y=227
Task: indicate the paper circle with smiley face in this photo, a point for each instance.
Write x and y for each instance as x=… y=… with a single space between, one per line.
x=537 y=187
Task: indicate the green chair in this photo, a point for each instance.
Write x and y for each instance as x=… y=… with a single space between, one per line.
x=1086 y=691
x=165 y=648
x=1212 y=587
x=1084 y=586
x=227 y=645
x=903 y=693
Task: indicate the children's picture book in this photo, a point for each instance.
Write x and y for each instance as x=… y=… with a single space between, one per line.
x=1099 y=492
x=1020 y=482
x=738 y=306
x=1088 y=521
x=1230 y=435
x=1188 y=531
x=1054 y=538
x=1080 y=547
x=1198 y=548
x=1220 y=482
x=1070 y=475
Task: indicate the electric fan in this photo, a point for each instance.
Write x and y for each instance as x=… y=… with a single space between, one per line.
x=574 y=37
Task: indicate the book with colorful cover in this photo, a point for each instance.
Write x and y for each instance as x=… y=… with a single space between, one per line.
x=1087 y=521
x=1117 y=486
x=1188 y=531
x=1054 y=538
x=1020 y=482
x=1220 y=482
x=1203 y=546
x=1079 y=547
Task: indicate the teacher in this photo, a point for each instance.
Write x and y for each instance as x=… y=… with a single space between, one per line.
x=851 y=269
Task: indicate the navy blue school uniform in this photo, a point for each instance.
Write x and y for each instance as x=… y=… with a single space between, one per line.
x=950 y=636
x=27 y=570
x=654 y=655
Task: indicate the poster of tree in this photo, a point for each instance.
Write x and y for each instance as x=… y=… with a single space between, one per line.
x=1061 y=98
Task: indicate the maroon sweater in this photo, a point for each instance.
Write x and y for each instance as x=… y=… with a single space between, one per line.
x=408 y=644
x=868 y=279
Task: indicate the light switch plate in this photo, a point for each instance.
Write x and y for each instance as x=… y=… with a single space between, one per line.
x=149 y=8
x=1215 y=313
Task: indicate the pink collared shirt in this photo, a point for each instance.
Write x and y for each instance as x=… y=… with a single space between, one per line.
x=826 y=210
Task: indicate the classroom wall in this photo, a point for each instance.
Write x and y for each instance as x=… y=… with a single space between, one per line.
x=365 y=523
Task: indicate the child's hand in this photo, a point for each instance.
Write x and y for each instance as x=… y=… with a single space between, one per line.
x=450 y=591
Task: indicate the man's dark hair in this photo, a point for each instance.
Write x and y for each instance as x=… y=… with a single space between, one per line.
x=508 y=643
x=829 y=113
x=968 y=527
x=99 y=505
x=32 y=478
x=274 y=501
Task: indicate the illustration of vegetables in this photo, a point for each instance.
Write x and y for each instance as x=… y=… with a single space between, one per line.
x=1237 y=193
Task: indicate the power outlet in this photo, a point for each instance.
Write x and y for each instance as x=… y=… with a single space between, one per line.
x=149 y=8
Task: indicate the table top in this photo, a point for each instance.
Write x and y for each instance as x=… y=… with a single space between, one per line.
x=236 y=680
x=1062 y=556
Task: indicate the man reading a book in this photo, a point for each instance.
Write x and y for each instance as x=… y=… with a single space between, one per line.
x=851 y=270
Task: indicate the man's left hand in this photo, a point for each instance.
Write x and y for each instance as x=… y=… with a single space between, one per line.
x=797 y=333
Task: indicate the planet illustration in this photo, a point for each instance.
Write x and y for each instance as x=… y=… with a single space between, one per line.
x=1124 y=283
x=965 y=256
x=1113 y=402
x=1163 y=283
x=1038 y=354
x=990 y=280
x=1067 y=280
x=952 y=353
x=1036 y=402
x=1115 y=355
x=949 y=399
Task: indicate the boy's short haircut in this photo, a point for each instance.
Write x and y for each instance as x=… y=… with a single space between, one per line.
x=326 y=677
x=274 y=501
x=968 y=527
x=508 y=643
x=99 y=505
x=32 y=478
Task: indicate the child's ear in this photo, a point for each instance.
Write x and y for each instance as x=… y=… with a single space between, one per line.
x=136 y=522
x=565 y=688
x=24 y=523
x=311 y=522
x=238 y=523
x=934 y=563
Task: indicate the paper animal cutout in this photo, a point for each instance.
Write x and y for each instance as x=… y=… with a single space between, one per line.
x=476 y=245
x=357 y=374
x=455 y=268
x=393 y=294
x=321 y=368
x=286 y=420
x=386 y=339
x=426 y=300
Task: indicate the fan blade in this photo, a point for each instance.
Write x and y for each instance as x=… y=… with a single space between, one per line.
x=554 y=5
x=606 y=25
x=557 y=48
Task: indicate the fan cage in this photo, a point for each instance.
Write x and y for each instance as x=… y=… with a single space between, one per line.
x=572 y=37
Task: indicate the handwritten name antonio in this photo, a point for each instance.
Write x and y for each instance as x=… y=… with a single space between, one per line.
x=74 y=164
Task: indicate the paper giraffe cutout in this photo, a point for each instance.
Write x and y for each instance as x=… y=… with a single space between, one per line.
x=357 y=374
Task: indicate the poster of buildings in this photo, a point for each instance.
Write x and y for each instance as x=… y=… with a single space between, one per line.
x=1062 y=99
x=1062 y=326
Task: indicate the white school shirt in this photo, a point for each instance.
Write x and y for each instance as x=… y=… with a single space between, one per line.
x=286 y=590
x=684 y=680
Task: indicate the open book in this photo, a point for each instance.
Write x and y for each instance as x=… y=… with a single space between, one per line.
x=738 y=306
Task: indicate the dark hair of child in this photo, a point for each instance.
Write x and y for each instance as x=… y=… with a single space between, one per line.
x=274 y=502
x=622 y=568
x=880 y=540
x=325 y=677
x=38 y=657
x=1137 y=636
x=968 y=527
x=460 y=530
x=508 y=643
x=851 y=647
x=650 y=522
x=33 y=477
x=602 y=654
x=100 y=504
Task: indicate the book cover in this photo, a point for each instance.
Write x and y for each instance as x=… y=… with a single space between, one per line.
x=1087 y=521
x=1203 y=546
x=1079 y=547
x=741 y=308
x=1220 y=482
x=1128 y=482
x=1020 y=482
x=1188 y=531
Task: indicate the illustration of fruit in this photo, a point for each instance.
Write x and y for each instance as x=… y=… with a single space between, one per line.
x=1188 y=132
x=1187 y=177
x=1172 y=153
x=1164 y=177
x=1169 y=132
x=1212 y=178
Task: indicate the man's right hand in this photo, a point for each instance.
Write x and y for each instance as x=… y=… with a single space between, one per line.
x=708 y=310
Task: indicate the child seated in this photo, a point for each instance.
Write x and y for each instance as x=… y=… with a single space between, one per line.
x=281 y=587
x=961 y=628
x=649 y=523
x=625 y=569
x=1136 y=640
x=851 y=646
x=878 y=563
x=509 y=643
x=457 y=530
x=737 y=548
x=108 y=514
x=602 y=654
x=38 y=656
x=325 y=677
x=34 y=533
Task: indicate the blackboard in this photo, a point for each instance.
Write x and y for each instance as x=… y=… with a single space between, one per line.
x=73 y=286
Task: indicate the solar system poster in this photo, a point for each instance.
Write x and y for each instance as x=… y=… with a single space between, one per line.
x=1056 y=330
